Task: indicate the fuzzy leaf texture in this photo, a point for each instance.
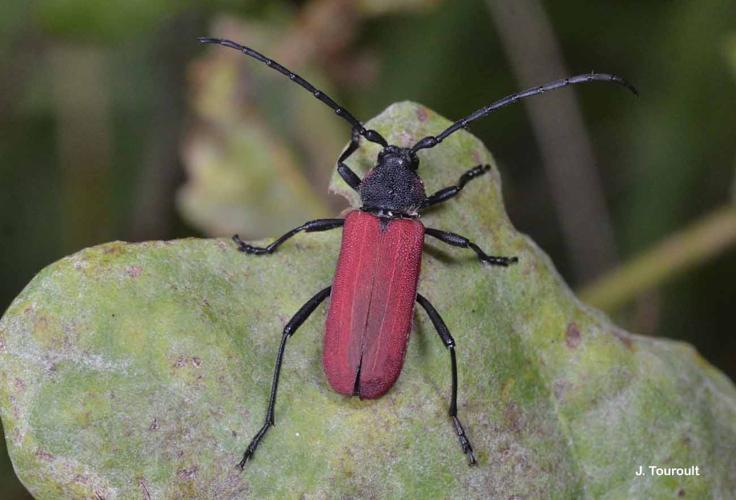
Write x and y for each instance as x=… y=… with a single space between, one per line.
x=143 y=371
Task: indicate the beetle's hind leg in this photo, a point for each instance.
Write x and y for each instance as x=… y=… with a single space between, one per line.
x=449 y=342
x=309 y=227
x=294 y=323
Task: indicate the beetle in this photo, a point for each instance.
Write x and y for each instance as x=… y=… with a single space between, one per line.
x=375 y=285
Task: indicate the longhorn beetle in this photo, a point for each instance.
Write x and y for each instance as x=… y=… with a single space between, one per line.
x=375 y=285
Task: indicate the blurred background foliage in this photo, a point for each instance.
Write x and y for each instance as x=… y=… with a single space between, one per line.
x=116 y=124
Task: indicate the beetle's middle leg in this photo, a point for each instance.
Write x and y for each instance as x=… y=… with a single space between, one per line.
x=294 y=323
x=451 y=191
x=462 y=242
x=311 y=226
x=449 y=342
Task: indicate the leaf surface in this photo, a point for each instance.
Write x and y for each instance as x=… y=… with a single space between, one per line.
x=143 y=370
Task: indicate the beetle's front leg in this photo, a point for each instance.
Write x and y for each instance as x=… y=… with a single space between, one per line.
x=347 y=174
x=446 y=193
x=462 y=242
x=311 y=226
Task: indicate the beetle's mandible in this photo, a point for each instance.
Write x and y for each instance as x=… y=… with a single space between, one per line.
x=374 y=289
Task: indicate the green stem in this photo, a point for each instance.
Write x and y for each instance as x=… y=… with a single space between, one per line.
x=699 y=242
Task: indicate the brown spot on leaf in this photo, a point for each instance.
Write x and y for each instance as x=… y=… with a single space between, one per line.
x=44 y=455
x=81 y=478
x=188 y=473
x=512 y=417
x=681 y=492
x=154 y=425
x=134 y=271
x=19 y=384
x=559 y=388
x=572 y=336
x=41 y=323
x=422 y=114
x=183 y=361
x=624 y=337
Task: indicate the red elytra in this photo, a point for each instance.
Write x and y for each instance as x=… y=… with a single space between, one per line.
x=371 y=303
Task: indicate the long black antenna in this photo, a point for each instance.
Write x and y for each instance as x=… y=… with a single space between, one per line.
x=370 y=135
x=432 y=141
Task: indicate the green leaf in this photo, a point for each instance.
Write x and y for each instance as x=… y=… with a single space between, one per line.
x=137 y=370
x=247 y=173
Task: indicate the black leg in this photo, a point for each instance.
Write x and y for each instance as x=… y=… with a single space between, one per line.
x=291 y=327
x=460 y=241
x=448 y=192
x=311 y=226
x=345 y=172
x=449 y=342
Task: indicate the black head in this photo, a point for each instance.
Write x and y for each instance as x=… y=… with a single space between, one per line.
x=394 y=156
x=393 y=187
